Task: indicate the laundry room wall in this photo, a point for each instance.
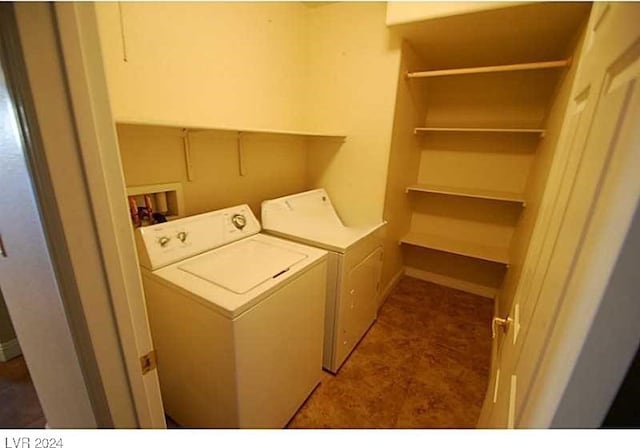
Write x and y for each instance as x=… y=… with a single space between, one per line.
x=327 y=67
x=235 y=65
x=352 y=73
x=404 y=161
x=222 y=64
x=274 y=165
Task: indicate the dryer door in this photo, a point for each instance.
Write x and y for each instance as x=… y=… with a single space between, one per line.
x=359 y=303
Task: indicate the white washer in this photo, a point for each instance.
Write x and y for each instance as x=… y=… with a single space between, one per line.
x=354 y=267
x=236 y=318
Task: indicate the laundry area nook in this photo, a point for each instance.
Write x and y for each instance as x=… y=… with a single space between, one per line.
x=357 y=215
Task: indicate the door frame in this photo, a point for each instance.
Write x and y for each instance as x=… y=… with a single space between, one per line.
x=77 y=149
x=35 y=295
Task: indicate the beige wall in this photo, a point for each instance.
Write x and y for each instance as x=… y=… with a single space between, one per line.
x=536 y=185
x=200 y=64
x=261 y=65
x=405 y=12
x=7 y=332
x=275 y=165
x=352 y=74
x=404 y=161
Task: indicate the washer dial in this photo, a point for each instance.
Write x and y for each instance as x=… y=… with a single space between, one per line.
x=239 y=221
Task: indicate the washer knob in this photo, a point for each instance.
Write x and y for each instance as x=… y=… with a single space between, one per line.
x=164 y=240
x=182 y=236
x=239 y=221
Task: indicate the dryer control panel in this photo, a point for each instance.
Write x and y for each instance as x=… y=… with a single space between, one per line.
x=170 y=242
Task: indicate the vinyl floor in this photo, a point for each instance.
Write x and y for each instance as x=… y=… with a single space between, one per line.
x=19 y=405
x=423 y=364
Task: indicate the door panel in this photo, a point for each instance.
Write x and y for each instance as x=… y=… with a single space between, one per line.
x=611 y=114
x=605 y=88
x=358 y=302
x=362 y=288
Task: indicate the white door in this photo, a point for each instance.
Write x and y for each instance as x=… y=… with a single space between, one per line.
x=80 y=45
x=79 y=153
x=604 y=103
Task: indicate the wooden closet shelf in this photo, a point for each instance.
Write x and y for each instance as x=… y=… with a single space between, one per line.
x=459 y=247
x=491 y=69
x=480 y=193
x=503 y=130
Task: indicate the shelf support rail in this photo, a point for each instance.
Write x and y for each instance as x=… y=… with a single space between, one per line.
x=490 y=69
x=241 y=168
x=187 y=154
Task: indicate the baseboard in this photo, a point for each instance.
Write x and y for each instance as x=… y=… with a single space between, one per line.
x=455 y=283
x=9 y=350
x=387 y=290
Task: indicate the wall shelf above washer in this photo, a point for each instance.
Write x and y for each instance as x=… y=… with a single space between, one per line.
x=469 y=192
x=300 y=133
x=459 y=247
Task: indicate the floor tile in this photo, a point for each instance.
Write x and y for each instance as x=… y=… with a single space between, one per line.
x=423 y=364
x=19 y=407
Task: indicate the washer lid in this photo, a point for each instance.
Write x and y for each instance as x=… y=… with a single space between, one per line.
x=243 y=266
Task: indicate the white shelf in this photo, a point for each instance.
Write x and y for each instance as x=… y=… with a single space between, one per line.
x=299 y=133
x=459 y=247
x=469 y=192
x=491 y=69
x=502 y=130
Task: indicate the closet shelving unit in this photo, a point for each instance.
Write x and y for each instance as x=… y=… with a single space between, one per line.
x=479 y=104
x=488 y=251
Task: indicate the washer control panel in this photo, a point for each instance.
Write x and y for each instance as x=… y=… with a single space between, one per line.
x=173 y=241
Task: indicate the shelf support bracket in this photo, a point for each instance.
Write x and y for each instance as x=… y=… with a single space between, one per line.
x=241 y=168
x=187 y=154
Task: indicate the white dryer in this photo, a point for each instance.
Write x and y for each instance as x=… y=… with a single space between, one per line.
x=236 y=318
x=353 y=271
